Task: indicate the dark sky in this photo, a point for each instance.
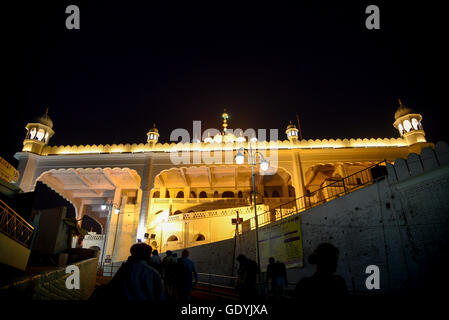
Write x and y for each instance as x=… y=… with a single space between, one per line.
x=135 y=63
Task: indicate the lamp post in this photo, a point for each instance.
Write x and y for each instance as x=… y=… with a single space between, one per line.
x=253 y=157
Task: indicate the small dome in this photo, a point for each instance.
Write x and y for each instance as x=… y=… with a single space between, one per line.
x=153 y=129
x=291 y=126
x=402 y=110
x=44 y=119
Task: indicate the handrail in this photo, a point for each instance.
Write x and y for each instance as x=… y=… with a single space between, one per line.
x=14 y=226
x=217 y=275
x=343 y=186
x=17 y=215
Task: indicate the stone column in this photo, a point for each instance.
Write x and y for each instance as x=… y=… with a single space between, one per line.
x=284 y=190
x=112 y=226
x=27 y=168
x=144 y=204
x=186 y=193
x=80 y=214
x=298 y=178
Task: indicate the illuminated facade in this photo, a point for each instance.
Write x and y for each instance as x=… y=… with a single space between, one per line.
x=185 y=194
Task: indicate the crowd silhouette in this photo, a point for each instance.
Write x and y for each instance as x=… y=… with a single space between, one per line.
x=145 y=277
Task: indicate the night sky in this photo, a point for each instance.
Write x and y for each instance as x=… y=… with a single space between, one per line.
x=135 y=63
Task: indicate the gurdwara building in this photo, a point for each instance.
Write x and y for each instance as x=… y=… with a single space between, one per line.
x=183 y=194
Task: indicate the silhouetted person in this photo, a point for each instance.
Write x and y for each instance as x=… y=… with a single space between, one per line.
x=247 y=278
x=277 y=275
x=323 y=282
x=186 y=276
x=136 y=280
x=156 y=261
x=168 y=272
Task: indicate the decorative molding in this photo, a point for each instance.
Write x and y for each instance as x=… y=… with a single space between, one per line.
x=267 y=145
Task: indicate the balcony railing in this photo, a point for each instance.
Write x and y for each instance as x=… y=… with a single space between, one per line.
x=215 y=213
x=329 y=191
x=198 y=200
x=14 y=226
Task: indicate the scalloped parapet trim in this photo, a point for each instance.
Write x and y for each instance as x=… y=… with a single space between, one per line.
x=174 y=147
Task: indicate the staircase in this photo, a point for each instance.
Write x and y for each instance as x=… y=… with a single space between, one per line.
x=15 y=238
x=331 y=189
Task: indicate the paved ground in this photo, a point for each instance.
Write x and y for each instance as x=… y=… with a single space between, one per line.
x=213 y=294
x=200 y=292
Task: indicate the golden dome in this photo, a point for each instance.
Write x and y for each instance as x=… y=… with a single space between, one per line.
x=154 y=129
x=291 y=126
x=44 y=119
x=402 y=110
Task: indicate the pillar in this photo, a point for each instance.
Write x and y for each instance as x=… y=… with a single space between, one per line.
x=186 y=193
x=27 y=168
x=145 y=186
x=284 y=190
x=112 y=226
x=80 y=214
x=298 y=178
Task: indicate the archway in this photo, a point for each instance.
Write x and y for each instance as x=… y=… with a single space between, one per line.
x=199 y=237
x=172 y=238
x=89 y=188
x=227 y=194
x=91 y=224
x=180 y=194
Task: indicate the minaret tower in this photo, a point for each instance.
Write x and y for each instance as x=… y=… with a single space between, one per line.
x=39 y=132
x=292 y=133
x=408 y=123
x=153 y=136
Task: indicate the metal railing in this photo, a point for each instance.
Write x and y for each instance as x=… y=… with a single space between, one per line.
x=219 y=285
x=330 y=190
x=14 y=226
x=217 y=280
x=110 y=269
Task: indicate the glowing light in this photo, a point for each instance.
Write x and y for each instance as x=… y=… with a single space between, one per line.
x=40 y=134
x=240 y=139
x=264 y=165
x=32 y=133
x=415 y=123
x=239 y=158
x=407 y=125
x=103 y=207
x=117 y=210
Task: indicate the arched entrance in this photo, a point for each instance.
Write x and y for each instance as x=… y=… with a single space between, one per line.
x=105 y=199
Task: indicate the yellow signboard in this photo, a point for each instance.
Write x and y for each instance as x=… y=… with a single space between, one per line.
x=283 y=241
x=8 y=172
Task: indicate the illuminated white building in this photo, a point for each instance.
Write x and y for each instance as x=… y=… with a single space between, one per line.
x=137 y=192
